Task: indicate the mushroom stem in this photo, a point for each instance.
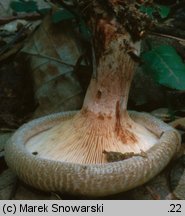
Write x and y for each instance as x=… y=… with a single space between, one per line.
x=114 y=74
x=107 y=94
x=103 y=123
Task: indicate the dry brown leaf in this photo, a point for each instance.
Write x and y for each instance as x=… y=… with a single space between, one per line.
x=162 y=113
x=155 y=189
x=3 y=139
x=178 y=123
x=7 y=183
x=53 y=52
x=5 y=8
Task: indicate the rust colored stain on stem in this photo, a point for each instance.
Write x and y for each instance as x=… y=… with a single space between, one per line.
x=122 y=133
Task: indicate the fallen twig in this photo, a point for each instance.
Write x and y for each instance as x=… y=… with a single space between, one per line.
x=30 y=16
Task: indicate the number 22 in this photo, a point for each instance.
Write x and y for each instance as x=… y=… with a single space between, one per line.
x=175 y=208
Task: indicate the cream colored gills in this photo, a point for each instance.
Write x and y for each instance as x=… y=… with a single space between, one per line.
x=83 y=141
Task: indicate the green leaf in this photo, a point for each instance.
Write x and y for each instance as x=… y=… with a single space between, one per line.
x=84 y=30
x=24 y=6
x=61 y=15
x=44 y=11
x=147 y=10
x=162 y=10
x=165 y=66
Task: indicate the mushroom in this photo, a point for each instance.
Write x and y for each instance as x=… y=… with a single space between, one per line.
x=67 y=152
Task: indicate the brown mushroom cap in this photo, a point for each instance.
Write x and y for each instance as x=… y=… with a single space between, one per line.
x=89 y=179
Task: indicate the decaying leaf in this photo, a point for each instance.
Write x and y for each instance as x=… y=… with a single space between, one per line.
x=7 y=183
x=3 y=139
x=177 y=178
x=178 y=124
x=16 y=93
x=5 y=10
x=118 y=156
x=53 y=51
x=156 y=189
x=164 y=114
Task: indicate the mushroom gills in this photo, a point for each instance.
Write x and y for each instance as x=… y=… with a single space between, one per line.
x=83 y=139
